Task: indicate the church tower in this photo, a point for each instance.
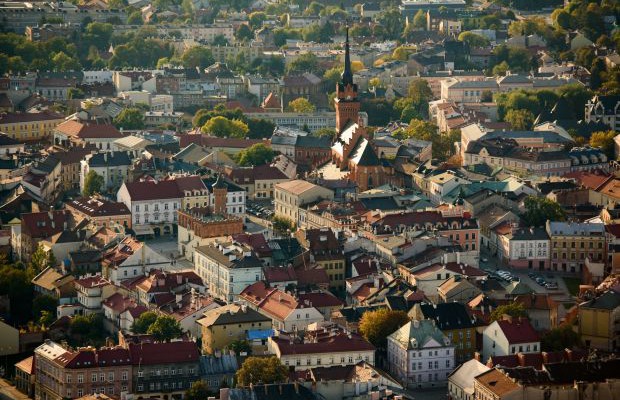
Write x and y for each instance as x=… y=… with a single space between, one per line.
x=346 y=103
x=220 y=192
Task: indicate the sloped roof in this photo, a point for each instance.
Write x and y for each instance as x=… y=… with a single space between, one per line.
x=519 y=330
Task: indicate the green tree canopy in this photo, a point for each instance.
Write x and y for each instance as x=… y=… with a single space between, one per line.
x=130 y=118
x=198 y=391
x=604 y=140
x=540 y=209
x=144 y=322
x=261 y=369
x=474 y=39
x=513 y=309
x=93 y=183
x=376 y=326
x=165 y=328
x=241 y=346
x=257 y=154
x=197 y=56
x=558 y=339
x=301 y=105
x=520 y=120
x=419 y=20
x=223 y=127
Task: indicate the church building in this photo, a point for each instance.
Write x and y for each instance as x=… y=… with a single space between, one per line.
x=352 y=154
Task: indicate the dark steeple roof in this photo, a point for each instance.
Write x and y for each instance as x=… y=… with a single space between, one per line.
x=347 y=74
x=219 y=183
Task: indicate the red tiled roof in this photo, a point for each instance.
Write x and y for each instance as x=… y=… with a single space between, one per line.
x=13 y=118
x=88 y=131
x=279 y=274
x=508 y=361
x=164 y=353
x=256 y=241
x=311 y=276
x=153 y=190
x=466 y=270
x=338 y=343
x=96 y=207
x=520 y=330
x=590 y=179
x=320 y=299
x=44 y=224
x=26 y=365
x=92 y=281
x=367 y=265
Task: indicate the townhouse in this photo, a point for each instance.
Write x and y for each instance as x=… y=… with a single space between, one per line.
x=153 y=205
x=326 y=346
x=461 y=380
x=420 y=355
x=327 y=253
x=223 y=326
x=525 y=248
x=227 y=268
x=39 y=226
x=259 y=181
x=286 y=312
x=163 y=370
x=43 y=180
x=74 y=133
x=599 y=321
x=290 y=196
x=130 y=258
x=62 y=372
x=29 y=127
x=113 y=166
x=571 y=243
x=100 y=212
x=509 y=336
x=70 y=166
x=454 y=322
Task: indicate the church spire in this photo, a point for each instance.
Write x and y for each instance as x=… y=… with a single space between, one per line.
x=347 y=75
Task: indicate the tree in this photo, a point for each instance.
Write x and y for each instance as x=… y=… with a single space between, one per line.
x=240 y=346
x=419 y=20
x=257 y=154
x=244 y=33
x=474 y=39
x=282 y=225
x=604 y=140
x=376 y=326
x=62 y=62
x=197 y=56
x=329 y=132
x=332 y=76
x=560 y=338
x=16 y=284
x=307 y=62
x=165 y=328
x=93 y=183
x=41 y=259
x=144 y=322
x=219 y=40
x=75 y=93
x=515 y=310
x=44 y=304
x=540 y=209
x=419 y=91
x=135 y=18
x=223 y=127
x=130 y=118
x=260 y=128
x=87 y=329
x=261 y=369
x=198 y=391
x=521 y=120
x=418 y=129
x=301 y=105
x=402 y=53
x=256 y=19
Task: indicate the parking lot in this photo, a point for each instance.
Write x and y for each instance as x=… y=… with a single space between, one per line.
x=260 y=208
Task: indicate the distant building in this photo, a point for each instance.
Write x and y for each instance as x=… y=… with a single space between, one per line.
x=420 y=355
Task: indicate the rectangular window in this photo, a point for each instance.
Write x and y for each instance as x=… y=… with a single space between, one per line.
x=80 y=378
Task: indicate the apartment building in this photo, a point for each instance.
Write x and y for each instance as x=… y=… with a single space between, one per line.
x=420 y=355
x=290 y=196
x=599 y=321
x=65 y=373
x=525 y=248
x=572 y=242
x=509 y=336
x=28 y=127
x=100 y=212
x=112 y=166
x=227 y=268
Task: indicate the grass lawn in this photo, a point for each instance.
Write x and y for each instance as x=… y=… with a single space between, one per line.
x=572 y=284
